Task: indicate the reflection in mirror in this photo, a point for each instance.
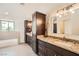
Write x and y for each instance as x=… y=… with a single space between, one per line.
x=71 y=24
x=54 y=25
x=71 y=28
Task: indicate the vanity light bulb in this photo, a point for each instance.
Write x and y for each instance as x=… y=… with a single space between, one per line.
x=72 y=11
x=60 y=16
x=57 y=14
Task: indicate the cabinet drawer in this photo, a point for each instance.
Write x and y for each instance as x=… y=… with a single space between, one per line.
x=41 y=51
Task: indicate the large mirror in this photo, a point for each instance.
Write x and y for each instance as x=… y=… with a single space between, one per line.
x=72 y=26
x=68 y=25
x=65 y=26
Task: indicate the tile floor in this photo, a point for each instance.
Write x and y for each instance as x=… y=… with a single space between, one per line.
x=18 y=50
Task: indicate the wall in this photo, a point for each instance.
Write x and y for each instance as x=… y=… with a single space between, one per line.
x=20 y=29
x=9 y=35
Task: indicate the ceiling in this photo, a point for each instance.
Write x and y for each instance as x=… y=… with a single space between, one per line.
x=25 y=11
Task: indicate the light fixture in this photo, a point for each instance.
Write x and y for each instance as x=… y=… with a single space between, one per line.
x=72 y=11
x=65 y=10
x=57 y=14
x=60 y=16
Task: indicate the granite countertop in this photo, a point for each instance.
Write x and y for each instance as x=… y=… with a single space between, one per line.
x=30 y=34
x=68 y=45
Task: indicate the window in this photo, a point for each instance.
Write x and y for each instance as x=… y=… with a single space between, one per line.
x=7 y=25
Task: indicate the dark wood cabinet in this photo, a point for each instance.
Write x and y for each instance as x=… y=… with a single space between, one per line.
x=38 y=28
x=29 y=40
x=46 y=49
x=27 y=28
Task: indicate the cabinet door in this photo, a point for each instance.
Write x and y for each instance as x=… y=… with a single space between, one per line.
x=61 y=51
x=29 y=39
x=43 y=49
x=34 y=43
x=40 y=23
x=50 y=52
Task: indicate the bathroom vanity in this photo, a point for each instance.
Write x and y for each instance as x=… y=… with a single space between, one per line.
x=49 y=46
